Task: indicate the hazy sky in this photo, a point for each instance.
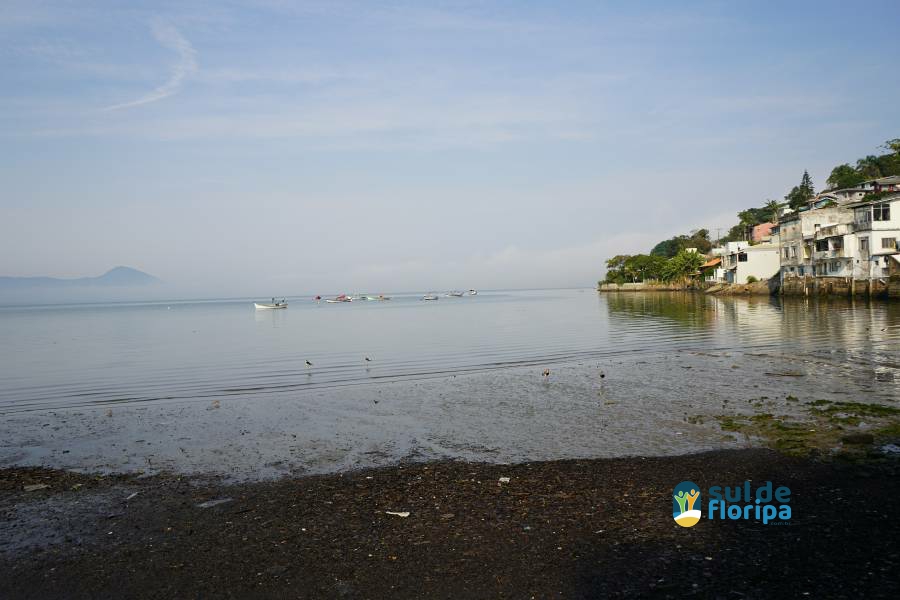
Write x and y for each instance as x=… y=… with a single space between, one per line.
x=274 y=147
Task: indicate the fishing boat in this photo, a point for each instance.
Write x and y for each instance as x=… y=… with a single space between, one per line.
x=341 y=298
x=270 y=305
x=473 y=292
x=431 y=296
x=454 y=294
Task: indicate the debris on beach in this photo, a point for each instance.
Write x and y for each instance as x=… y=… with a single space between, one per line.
x=402 y=515
x=504 y=480
x=211 y=503
x=35 y=487
x=132 y=496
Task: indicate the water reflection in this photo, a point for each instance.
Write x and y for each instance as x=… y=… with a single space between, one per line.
x=737 y=322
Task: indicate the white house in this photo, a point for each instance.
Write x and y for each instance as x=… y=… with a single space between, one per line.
x=876 y=225
x=745 y=261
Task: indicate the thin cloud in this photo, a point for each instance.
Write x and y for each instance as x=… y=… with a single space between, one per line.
x=170 y=38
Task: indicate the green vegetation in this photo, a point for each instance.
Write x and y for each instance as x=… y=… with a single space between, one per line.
x=637 y=268
x=830 y=427
x=870 y=167
x=698 y=239
x=751 y=279
x=801 y=194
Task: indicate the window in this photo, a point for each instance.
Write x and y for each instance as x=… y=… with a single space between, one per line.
x=793 y=251
x=863 y=215
x=864 y=244
x=881 y=212
x=742 y=257
x=837 y=243
x=821 y=245
x=888 y=243
x=786 y=253
x=834 y=266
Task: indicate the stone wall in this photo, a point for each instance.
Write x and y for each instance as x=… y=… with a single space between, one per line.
x=834 y=286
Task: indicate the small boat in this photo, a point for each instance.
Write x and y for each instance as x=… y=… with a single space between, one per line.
x=473 y=292
x=341 y=298
x=431 y=296
x=454 y=294
x=270 y=306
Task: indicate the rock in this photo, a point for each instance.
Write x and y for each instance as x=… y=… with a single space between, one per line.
x=858 y=438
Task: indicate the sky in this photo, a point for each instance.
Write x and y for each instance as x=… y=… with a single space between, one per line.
x=264 y=147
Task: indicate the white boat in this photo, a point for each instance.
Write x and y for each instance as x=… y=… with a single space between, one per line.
x=341 y=298
x=454 y=294
x=266 y=306
x=473 y=292
x=430 y=297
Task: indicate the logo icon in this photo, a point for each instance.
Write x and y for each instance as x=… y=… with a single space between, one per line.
x=686 y=503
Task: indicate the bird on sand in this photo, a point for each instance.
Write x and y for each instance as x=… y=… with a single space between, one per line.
x=308 y=364
x=368 y=359
x=545 y=373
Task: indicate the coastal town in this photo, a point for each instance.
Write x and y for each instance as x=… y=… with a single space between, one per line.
x=842 y=241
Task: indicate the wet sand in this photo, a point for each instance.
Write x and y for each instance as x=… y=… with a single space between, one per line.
x=566 y=529
x=648 y=404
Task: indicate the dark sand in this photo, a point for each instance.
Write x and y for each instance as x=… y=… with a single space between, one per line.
x=564 y=529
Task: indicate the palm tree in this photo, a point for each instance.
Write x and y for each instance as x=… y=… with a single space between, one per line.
x=774 y=207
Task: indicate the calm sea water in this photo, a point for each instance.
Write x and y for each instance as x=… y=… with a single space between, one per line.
x=75 y=356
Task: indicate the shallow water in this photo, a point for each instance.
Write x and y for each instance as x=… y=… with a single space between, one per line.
x=220 y=387
x=60 y=357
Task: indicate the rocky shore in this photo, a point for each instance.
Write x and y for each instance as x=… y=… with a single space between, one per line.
x=567 y=529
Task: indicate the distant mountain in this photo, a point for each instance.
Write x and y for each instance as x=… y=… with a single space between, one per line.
x=117 y=277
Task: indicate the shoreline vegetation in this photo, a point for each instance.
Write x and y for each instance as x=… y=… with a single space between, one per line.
x=679 y=263
x=569 y=528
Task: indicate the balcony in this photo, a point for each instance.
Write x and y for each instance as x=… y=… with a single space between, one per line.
x=834 y=230
x=826 y=254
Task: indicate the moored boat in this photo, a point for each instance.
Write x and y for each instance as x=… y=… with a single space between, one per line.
x=270 y=306
x=431 y=296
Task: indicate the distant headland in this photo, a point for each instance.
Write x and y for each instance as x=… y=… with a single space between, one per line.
x=115 y=277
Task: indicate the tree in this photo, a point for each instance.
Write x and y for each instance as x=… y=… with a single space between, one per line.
x=699 y=239
x=615 y=268
x=869 y=167
x=806 y=185
x=893 y=146
x=773 y=207
x=844 y=176
x=682 y=265
x=801 y=194
x=667 y=248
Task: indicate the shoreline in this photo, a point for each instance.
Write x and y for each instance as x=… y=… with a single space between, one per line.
x=569 y=528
